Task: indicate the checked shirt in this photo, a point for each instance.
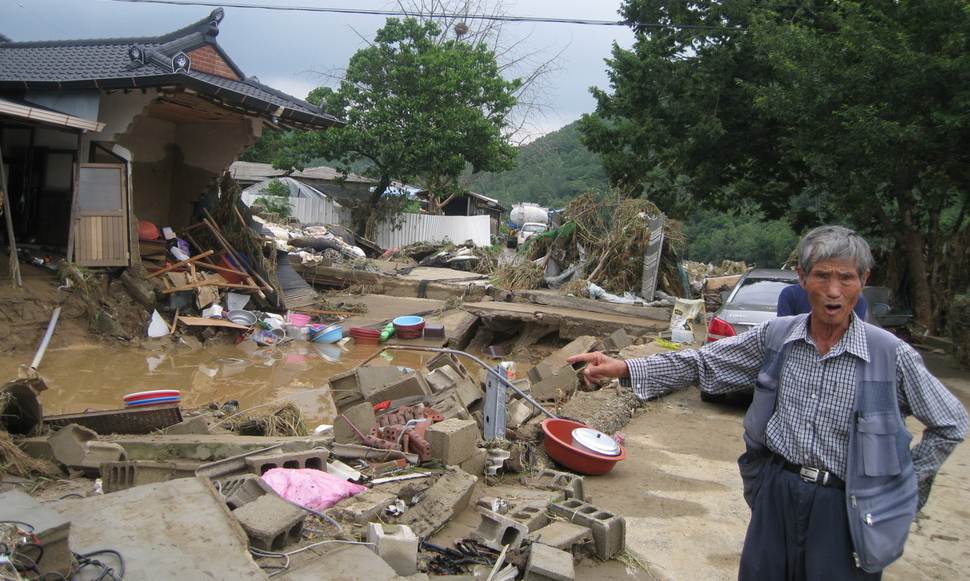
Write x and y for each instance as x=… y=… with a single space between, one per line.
x=811 y=422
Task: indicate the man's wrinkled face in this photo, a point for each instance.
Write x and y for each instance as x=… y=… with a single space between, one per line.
x=833 y=288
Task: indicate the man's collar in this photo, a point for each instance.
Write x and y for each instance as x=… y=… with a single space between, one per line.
x=853 y=341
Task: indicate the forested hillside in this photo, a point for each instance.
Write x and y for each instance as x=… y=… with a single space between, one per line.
x=549 y=171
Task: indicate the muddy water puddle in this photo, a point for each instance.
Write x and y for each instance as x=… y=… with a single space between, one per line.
x=96 y=377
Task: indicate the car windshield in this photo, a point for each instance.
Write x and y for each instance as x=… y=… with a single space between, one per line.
x=760 y=292
x=533 y=228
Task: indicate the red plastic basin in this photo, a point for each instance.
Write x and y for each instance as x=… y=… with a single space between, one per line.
x=559 y=445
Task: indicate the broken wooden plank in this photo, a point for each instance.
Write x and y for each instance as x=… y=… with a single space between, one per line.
x=572 y=322
x=554 y=299
x=204 y=322
x=195 y=285
x=180 y=264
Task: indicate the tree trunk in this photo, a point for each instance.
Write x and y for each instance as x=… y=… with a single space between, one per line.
x=363 y=212
x=912 y=242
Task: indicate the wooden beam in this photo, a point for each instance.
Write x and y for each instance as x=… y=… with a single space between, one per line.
x=180 y=264
x=8 y=214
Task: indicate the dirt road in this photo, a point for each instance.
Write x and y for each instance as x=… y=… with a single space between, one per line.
x=681 y=493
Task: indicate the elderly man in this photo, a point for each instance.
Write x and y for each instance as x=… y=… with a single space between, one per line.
x=829 y=475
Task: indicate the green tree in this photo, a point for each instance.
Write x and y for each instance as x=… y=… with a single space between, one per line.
x=850 y=112
x=417 y=107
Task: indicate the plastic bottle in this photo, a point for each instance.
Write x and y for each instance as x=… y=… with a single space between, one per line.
x=387 y=332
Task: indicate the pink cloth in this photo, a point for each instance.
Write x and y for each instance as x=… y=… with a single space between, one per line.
x=313 y=489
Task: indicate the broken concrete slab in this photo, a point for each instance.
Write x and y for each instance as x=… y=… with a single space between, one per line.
x=453 y=441
x=178 y=529
x=475 y=464
x=208 y=448
x=122 y=475
x=563 y=535
x=51 y=529
x=615 y=341
x=449 y=495
x=361 y=415
x=396 y=544
x=570 y=484
x=364 y=507
x=79 y=447
x=406 y=387
x=270 y=522
x=555 y=299
x=518 y=412
x=195 y=425
x=553 y=383
x=344 y=563
x=356 y=384
x=549 y=564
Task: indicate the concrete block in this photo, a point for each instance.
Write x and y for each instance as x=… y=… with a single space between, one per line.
x=447 y=377
x=396 y=544
x=563 y=535
x=196 y=425
x=448 y=404
x=241 y=490
x=407 y=387
x=364 y=507
x=373 y=379
x=448 y=496
x=315 y=459
x=453 y=441
x=362 y=415
x=344 y=563
x=609 y=530
x=475 y=464
x=357 y=384
x=549 y=564
x=496 y=530
x=449 y=360
x=122 y=475
x=616 y=340
x=571 y=484
x=518 y=412
x=532 y=514
x=270 y=522
x=78 y=447
x=50 y=527
x=551 y=383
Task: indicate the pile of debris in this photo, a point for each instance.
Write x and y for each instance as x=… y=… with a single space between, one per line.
x=465 y=257
x=627 y=247
x=712 y=281
x=367 y=496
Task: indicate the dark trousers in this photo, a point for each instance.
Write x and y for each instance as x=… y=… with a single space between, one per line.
x=798 y=531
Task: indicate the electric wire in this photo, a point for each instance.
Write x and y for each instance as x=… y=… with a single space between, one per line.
x=406 y=13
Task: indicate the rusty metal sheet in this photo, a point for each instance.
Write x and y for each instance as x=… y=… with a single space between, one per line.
x=124 y=421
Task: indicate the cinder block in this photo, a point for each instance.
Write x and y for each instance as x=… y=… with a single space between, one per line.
x=360 y=383
x=531 y=514
x=616 y=340
x=609 y=530
x=270 y=522
x=453 y=441
x=448 y=404
x=563 y=535
x=518 y=412
x=78 y=447
x=447 y=377
x=448 y=496
x=364 y=507
x=551 y=383
x=450 y=360
x=315 y=459
x=121 y=475
x=549 y=564
x=496 y=530
x=475 y=464
x=361 y=415
x=570 y=484
x=407 y=387
x=241 y=490
x=396 y=544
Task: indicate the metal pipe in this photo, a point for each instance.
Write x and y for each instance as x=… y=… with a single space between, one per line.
x=47 y=339
x=484 y=366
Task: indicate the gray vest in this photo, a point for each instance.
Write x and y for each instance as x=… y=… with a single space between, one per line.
x=881 y=491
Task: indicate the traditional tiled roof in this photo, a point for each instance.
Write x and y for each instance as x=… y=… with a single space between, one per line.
x=142 y=62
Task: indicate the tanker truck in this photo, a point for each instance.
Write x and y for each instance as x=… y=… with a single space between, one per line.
x=527 y=220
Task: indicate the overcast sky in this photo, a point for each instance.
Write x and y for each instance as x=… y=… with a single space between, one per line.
x=290 y=50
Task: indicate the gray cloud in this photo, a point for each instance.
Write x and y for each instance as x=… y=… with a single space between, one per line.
x=295 y=52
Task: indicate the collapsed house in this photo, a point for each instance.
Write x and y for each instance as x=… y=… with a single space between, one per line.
x=97 y=132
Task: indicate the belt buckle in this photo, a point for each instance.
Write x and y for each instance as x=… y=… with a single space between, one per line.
x=809 y=474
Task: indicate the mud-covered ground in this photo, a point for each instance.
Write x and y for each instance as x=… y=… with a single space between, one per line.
x=681 y=494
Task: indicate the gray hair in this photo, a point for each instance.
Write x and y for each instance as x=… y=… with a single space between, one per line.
x=834 y=243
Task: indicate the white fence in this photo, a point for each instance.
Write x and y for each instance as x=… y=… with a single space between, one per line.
x=429 y=228
x=311 y=210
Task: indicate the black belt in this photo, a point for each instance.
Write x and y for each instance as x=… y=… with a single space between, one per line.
x=816 y=476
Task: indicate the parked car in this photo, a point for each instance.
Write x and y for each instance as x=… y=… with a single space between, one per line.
x=528 y=230
x=752 y=302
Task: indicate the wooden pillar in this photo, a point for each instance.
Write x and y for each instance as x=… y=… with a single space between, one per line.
x=8 y=213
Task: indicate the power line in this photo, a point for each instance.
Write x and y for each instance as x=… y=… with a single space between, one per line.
x=495 y=17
